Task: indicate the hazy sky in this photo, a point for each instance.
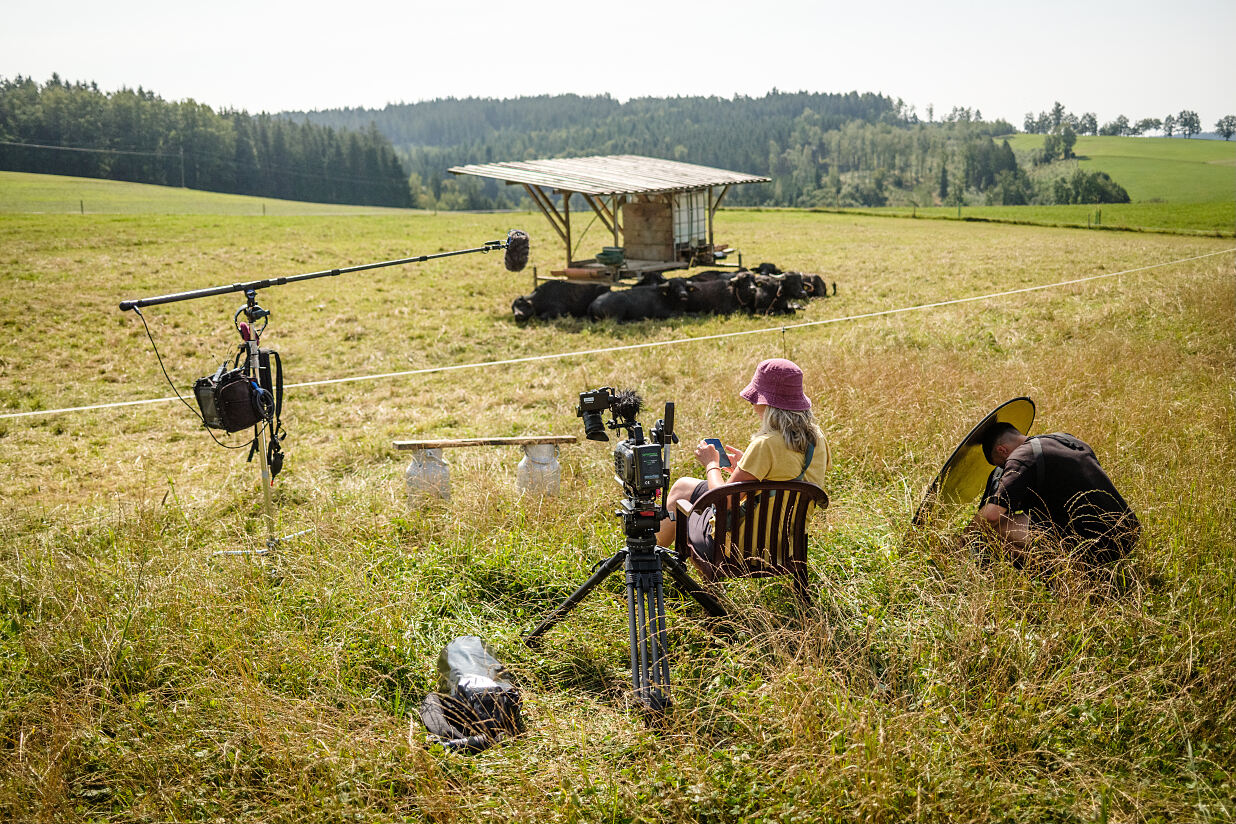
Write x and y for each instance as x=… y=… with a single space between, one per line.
x=1140 y=58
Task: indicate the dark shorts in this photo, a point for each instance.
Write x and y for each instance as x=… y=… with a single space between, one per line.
x=698 y=530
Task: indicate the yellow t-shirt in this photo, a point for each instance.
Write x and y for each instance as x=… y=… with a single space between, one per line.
x=769 y=459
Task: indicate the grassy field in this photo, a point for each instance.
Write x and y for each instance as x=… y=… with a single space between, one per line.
x=22 y=193
x=1154 y=169
x=1214 y=219
x=145 y=679
x=1178 y=186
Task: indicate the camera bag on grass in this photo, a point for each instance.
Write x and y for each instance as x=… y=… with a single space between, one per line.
x=475 y=706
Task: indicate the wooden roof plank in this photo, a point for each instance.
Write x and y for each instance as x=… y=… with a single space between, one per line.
x=609 y=175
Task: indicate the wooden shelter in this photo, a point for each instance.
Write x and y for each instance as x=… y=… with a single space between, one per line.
x=658 y=212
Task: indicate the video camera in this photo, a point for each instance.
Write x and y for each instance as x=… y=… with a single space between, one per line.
x=641 y=466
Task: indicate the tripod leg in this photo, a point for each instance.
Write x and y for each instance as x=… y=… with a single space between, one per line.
x=603 y=571
x=646 y=619
x=688 y=585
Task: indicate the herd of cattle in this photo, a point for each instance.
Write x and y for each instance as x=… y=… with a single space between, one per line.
x=764 y=292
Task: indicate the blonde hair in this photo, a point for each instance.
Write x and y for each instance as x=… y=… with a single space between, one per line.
x=798 y=429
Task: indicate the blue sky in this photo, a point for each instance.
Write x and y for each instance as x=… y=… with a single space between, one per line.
x=1137 y=58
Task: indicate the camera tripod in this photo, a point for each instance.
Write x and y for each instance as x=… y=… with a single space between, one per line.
x=644 y=563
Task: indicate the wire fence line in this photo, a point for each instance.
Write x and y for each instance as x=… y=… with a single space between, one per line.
x=661 y=343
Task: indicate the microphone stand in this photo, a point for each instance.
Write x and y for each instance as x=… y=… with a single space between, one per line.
x=250 y=333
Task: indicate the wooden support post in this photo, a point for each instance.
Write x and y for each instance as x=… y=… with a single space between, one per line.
x=566 y=215
x=615 y=205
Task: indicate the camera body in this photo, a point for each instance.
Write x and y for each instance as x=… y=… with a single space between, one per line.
x=640 y=468
x=640 y=465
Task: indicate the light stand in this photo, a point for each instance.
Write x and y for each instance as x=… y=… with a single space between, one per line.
x=644 y=563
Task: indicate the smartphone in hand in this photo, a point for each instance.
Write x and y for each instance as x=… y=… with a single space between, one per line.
x=716 y=442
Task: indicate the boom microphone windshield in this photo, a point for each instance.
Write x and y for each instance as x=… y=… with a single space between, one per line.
x=516 y=251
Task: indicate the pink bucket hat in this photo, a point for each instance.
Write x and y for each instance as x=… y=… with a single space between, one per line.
x=778 y=382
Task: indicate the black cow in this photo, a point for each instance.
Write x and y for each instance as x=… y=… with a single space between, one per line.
x=650 y=279
x=640 y=302
x=710 y=275
x=815 y=286
x=720 y=296
x=554 y=298
x=774 y=293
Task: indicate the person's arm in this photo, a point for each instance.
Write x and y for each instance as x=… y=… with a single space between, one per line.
x=1012 y=529
x=713 y=473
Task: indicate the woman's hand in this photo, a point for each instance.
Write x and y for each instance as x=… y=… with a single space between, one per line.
x=707 y=454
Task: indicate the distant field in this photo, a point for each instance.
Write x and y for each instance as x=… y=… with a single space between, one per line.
x=55 y=194
x=1177 y=186
x=22 y=193
x=1217 y=219
x=1155 y=168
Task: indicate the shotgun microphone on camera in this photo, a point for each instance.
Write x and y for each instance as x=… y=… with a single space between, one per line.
x=516 y=251
x=626 y=404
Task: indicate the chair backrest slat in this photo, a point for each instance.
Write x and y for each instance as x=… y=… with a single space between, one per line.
x=760 y=528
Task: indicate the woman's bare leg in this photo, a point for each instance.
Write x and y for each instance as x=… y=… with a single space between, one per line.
x=680 y=490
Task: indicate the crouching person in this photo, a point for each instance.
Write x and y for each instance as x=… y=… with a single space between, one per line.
x=1051 y=489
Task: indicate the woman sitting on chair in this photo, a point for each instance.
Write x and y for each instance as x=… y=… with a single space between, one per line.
x=789 y=445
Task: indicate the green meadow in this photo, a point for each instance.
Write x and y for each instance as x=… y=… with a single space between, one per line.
x=1156 y=169
x=22 y=193
x=1178 y=186
x=147 y=678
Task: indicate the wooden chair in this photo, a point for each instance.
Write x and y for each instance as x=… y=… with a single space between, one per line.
x=760 y=529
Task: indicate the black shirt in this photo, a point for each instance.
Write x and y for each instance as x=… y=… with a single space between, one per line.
x=1056 y=479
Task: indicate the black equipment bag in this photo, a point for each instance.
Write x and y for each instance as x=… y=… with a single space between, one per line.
x=229 y=400
x=475 y=706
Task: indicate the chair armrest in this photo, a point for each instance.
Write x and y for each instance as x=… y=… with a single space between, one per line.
x=682 y=514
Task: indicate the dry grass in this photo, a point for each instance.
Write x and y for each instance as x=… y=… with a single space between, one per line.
x=145 y=679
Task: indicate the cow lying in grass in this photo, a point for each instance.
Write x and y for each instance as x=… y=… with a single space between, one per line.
x=555 y=298
x=641 y=302
x=712 y=292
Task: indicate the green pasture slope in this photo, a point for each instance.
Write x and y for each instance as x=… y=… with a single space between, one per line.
x=55 y=194
x=1183 y=186
x=1156 y=169
x=145 y=678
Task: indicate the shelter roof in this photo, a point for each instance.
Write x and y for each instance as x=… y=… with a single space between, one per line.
x=609 y=174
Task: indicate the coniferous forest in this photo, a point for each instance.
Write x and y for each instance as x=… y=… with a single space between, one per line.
x=821 y=150
x=76 y=129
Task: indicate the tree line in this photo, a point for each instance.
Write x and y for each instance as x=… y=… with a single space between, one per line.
x=732 y=133
x=821 y=150
x=75 y=129
x=1058 y=120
